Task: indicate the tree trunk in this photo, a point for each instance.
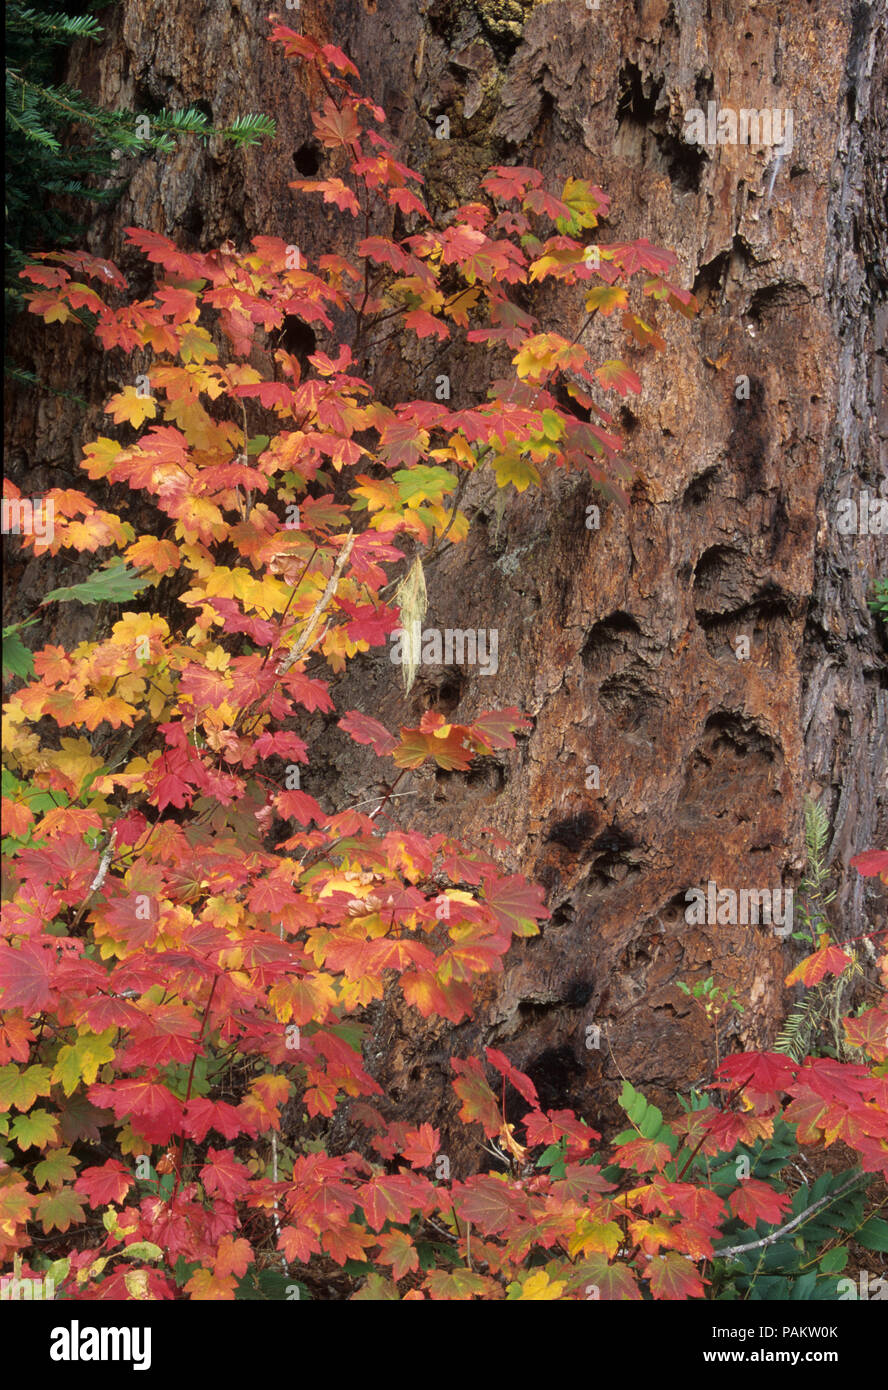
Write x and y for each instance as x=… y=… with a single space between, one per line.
x=694 y=667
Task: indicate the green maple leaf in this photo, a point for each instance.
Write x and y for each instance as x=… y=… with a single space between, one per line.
x=38 y=1128
x=59 y=1207
x=512 y=467
x=21 y=1088
x=59 y=1166
x=80 y=1060
x=16 y=657
x=115 y=583
x=423 y=484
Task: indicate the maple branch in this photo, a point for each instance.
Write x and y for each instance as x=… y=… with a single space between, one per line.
x=322 y=603
x=289 y=601
x=101 y=875
x=790 y=1225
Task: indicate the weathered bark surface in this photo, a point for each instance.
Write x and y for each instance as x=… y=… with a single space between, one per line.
x=620 y=643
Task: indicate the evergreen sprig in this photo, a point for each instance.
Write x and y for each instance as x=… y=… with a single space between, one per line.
x=61 y=144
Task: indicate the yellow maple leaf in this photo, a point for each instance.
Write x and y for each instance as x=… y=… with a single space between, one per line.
x=538 y=1287
x=200 y=519
x=602 y=1237
x=96 y=709
x=379 y=492
x=129 y=407
x=80 y=1060
x=536 y=358
x=99 y=457
x=197 y=345
x=269 y=595
x=75 y=761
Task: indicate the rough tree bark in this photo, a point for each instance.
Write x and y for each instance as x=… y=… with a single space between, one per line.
x=619 y=642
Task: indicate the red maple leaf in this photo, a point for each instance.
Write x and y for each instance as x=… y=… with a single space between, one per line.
x=494 y=728
x=643 y=1155
x=522 y=1083
x=336 y=127
x=490 y=1204
x=203 y=1114
x=164 y=252
x=872 y=862
x=767 y=1072
x=223 y=1174
x=25 y=976
x=298 y=806
x=478 y=1101
x=755 y=1201
x=420 y=1145
x=516 y=904
x=105 y=1184
x=508 y=181
x=153 y=1109
x=640 y=255
x=395 y=1198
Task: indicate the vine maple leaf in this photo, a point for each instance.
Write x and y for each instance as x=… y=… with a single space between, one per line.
x=523 y=1084
x=59 y=1209
x=871 y=862
x=363 y=729
x=395 y=1198
x=396 y=1248
x=673 y=1277
x=633 y=256
x=223 y=1174
x=509 y=182
x=516 y=904
x=131 y=408
x=490 y=1204
x=154 y=1110
x=420 y=1146
x=25 y=976
x=829 y=960
x=210 y=1285
x=869 y=1032
x=753 y=1201
x=478 y=1101
x=596 y=1277
x=617 y=375
x=336 y=127
x=105 y=1184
